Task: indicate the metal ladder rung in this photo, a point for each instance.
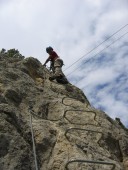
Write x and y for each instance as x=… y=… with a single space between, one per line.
x=89 y=161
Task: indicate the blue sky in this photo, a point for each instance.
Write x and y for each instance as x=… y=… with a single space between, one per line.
x=73 y=28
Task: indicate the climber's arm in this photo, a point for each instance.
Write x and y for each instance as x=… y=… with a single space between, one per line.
x=48 y=59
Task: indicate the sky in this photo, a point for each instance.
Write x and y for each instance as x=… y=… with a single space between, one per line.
x=89 y=35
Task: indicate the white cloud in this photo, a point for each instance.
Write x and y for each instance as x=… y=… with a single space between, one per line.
x=73 y=28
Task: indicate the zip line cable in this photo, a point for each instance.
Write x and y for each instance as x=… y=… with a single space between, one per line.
x=98 y=53
x=97 y=46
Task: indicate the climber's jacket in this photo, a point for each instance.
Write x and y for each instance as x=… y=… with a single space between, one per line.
x=52 y=57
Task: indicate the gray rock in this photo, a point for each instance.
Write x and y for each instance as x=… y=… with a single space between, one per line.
x=69 y=133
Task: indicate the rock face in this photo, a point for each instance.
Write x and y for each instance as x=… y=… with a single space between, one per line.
x=49 y=126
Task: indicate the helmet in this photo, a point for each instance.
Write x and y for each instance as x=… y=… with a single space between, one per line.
x=48 y=49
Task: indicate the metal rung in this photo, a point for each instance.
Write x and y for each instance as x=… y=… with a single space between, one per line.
x=64 y=116
x=81 y=130
x=89 y=161
x=70 y=98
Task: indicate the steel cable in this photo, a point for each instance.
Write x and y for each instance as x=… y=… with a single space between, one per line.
x=97 y=46
x=33 y=142
x=98 y=53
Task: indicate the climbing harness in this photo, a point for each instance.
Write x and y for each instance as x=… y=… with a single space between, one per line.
x=33 y=142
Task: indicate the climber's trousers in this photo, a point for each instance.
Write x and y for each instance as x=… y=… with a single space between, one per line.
x=58 y=67
x=58 y=72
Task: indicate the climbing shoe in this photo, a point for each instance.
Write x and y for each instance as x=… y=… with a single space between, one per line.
x=62 y=80
x=51 y=78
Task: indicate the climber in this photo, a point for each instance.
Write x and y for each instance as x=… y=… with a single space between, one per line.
x=55 y=66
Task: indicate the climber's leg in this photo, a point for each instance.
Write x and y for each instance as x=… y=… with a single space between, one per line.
x=58 y=74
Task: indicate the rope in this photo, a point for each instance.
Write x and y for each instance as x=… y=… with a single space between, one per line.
x=33 y=142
